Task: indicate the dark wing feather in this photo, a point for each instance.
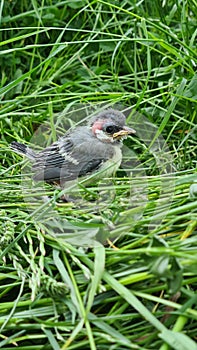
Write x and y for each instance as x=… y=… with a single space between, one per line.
x=90 y=166
x=65 y=160
x=49 y=162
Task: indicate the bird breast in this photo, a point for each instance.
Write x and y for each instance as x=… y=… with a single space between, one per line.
x=109 y=167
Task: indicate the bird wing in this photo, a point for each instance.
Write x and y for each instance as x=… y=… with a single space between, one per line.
x=67 y=160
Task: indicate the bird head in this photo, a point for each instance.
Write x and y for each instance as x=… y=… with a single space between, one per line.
x=109 y=126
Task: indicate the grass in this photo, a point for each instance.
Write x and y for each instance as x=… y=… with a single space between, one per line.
x=117 y=269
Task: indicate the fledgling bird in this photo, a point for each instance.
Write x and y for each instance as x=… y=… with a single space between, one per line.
x=94 y=149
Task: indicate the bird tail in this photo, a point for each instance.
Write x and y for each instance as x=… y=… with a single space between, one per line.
x=23 y=150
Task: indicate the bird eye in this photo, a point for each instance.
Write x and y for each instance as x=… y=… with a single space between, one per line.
x=111 y=129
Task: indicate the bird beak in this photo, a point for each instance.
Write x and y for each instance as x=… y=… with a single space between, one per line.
x=124 y=132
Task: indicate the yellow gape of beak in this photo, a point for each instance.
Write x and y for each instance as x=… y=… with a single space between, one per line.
x=124 y=132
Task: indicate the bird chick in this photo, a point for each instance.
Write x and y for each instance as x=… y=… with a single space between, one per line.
x=93 y=149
